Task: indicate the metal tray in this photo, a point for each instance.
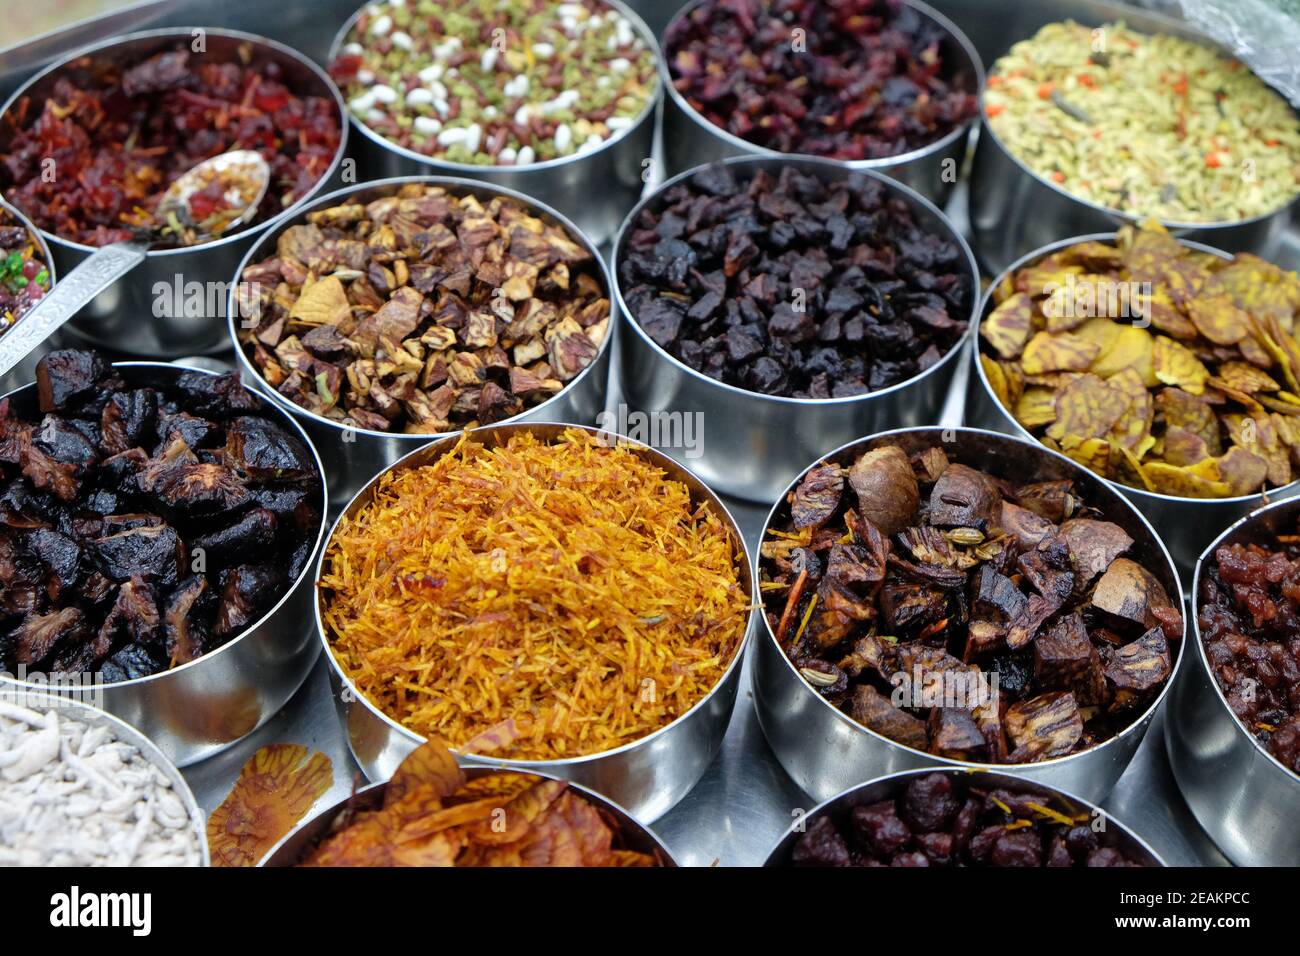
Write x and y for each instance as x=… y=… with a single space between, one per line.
x=745 y=801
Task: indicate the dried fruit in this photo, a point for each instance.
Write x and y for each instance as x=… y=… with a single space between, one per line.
x=274 y=790
x=24 y=273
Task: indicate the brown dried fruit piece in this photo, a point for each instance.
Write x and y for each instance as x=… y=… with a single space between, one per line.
x=886 y=488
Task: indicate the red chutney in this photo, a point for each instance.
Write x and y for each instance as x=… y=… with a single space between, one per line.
x=119 y=133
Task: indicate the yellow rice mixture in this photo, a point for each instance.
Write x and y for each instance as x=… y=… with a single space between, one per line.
x=534 y=600
x=1151 y=125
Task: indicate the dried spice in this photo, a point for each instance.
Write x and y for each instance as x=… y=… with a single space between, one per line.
x=275 y=789
x=121 y=132
x=423 y=311
x=430 y=815
x=863 y=80
x=142 y=527
x=956 y=612
x=24 y=273
x=793 y=284
x=538 y=600
x=496 y=83
x=1249 y=617
x=1149 y=125
x=948 y=820
x=1153 y=364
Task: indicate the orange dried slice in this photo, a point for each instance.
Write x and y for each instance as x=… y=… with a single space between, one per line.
x=275 y=789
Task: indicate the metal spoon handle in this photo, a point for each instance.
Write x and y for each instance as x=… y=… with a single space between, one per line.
x=69 y=294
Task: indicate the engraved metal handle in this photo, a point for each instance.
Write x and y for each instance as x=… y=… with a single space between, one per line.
x=67 y=297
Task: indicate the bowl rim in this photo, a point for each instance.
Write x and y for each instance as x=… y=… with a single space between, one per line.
x=1137 y=725
x=895 y=778
x=986 y=301
x=473 y=772
x=458 y=186
x=676 y=472
x=1190 y=34
x=1238 y=527
x=253 y=627
x=280 y=50
x=461 y=169
x=836 y=170
x=125 y=733
x=754 y=150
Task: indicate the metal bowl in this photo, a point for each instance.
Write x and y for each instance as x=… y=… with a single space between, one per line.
x=691 y=140
x=1116 y=834
x=1014 y=209
x=593 y=188
x=299 y=841
x=1242 y=795
x=37 y=698
x=647 y=776
x=1185 y=524
x=25 y=370
x=825 y=750
x=198 y=709
x=655 y=13
x=354 y=455
x=754 y=443
x=148 y=312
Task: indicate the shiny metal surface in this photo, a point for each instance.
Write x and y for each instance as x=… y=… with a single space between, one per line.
x=1015 y=210
x=1184 y=524
x=1242 y=795
x=93 y=716
x=146 y=312
x=198 y=709
x=25 y=370
x=753 y=444
x=648 y=776
x=825 y=751
x=355 y=455
x=594 y=189
x=655 y=13
x=691 y=140
x=303 y=838
x=1115 y=834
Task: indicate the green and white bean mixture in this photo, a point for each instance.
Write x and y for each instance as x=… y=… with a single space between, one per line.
x=496 y=82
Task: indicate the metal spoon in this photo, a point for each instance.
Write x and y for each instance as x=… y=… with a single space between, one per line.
x=248 y=175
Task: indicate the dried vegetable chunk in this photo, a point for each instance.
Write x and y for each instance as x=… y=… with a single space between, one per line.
x=121 y=132
x=1176 y=372
x=1150 y=125
x=948 y=820
x=956 y=612
x=538 y=600
x=863 y=80
x=432 y=816
x=1249 y=616
x=423 y=312
x=274 y=790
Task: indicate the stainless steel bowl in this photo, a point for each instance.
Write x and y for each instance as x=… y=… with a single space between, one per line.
x=648 y=776
x=25 y=370
x=1242 y=795
x=691 y=140
x=305 y=836
x=1014 y=210
x=593 y=189
x=1115 y=834
x=153 y=311
x=825 y=751
x=39 y=699
x=655 y=13
x=198 y=709
x=753 y=444
x=1185 y=524
x=354 y=455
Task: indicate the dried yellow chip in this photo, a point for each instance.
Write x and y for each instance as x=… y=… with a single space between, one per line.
x=1007 y=327
x=1175 y=364
x=1242 y=471
x=1062 y=352
x=1037 y=406
x=1132 y=348
x=1216 y=318
x=1086 y=408
x=1188 y=482
x=1092 y=453
x=1247 y=378
x=1182 y=447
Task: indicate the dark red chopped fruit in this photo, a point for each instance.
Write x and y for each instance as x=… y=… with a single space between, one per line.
x=1249 y=616
x=124 y=548
x=947 y=819
x=859 y=80
x=794 y=285
x=121 y=133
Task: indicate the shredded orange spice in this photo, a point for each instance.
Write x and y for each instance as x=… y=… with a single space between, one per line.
x=536 y=600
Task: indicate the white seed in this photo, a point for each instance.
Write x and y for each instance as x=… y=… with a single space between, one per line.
x=620 y=64
x=590 y=143
x=543 y=51
x=383 y=93
x=526 y=156
x=563 y=138
x=353 y=49
x=430 y=73
x=381 y=26
x=453 y=137
x=507 y=155
x=426 y=125
x=365 y=77
x=516 y=87
x=419 y=97
x=623 y=30
x=473 y=136
x=522 y=115
x=401 y=40
x=489 y=112
x=362 y=102
x=488 y=61
x=616 y=123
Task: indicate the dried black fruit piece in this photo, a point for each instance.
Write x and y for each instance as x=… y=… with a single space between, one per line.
x=64 y=377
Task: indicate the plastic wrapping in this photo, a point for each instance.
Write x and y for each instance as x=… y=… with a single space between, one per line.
x=1263 y=33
